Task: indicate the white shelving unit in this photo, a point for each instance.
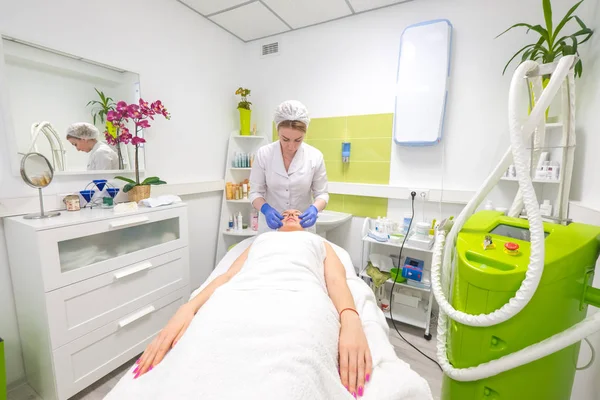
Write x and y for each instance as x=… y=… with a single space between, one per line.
x=408 y=304
x=558 y=139
x=237 y=144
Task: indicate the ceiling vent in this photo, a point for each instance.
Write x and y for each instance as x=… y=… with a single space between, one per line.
x=270 y=49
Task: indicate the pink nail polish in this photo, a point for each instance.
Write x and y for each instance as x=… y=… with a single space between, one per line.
x=354 y=394
x=368 y=378
x=150 y=369
x=346 y=388
x=136 y=370
x=360 y=391
x=136 y=376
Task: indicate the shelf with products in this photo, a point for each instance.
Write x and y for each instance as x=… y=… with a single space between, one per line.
x=240 y=156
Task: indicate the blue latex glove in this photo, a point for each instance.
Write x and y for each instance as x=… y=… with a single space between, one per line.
x=272 y=216
x=309 y=217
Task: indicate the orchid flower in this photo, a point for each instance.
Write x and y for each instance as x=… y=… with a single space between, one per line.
x=133 y=111
x=136 y=141
x=121 y=107
x=143 y=123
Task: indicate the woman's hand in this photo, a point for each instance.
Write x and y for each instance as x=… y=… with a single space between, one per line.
x=166 y=339
x=355 y=357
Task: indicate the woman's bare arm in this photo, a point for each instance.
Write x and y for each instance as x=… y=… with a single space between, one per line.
x=178 y=324
x=354 y=355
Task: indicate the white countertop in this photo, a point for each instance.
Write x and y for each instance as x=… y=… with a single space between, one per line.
x=85 y=215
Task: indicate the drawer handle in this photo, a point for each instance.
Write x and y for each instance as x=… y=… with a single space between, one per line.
x=129 y=222
x=132 y=318
x=133 y=270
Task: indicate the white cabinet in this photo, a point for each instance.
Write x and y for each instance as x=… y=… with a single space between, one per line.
x=92 y=288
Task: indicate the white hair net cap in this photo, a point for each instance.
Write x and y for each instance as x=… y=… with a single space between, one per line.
x=291 y=110
x=83 y=130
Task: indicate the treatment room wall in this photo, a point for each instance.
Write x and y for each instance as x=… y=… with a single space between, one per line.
x=184 y=60
x=348 y=67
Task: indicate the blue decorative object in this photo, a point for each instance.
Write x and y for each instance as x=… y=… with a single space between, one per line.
x=87 y=195
x=112 y=192
x=100 y=183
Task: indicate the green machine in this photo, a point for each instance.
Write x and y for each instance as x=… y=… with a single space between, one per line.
x=3 y=393
x=492 y=258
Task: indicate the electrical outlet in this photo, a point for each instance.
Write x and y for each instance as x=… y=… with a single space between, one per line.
x=422 y=194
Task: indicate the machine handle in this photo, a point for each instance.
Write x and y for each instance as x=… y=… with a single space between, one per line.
x=132 y=318
x=591 y=295
x=129 y=222
x=133 y=270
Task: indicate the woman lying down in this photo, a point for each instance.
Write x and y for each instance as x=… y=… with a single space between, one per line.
x=276 y=325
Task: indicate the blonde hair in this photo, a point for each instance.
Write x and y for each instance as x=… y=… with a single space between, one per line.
x=297 y=125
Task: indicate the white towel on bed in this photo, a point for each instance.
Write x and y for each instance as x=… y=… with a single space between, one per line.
x=272 y=333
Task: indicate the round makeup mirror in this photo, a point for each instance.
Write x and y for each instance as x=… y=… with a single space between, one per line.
x=37 y=172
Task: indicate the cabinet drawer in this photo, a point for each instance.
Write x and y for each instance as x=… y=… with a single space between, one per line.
x=89 y=358
x=74 y=253
x=80 y=308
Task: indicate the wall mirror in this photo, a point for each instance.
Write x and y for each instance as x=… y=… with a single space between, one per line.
x=47 y=91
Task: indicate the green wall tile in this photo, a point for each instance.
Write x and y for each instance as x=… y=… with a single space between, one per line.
x=336 y=202
x=275 y=135
x=335 y=171
x=361 y=206
x=368 y=172
x=331 y=148
x=327 y=128
x=371 y=126
x=377 y=149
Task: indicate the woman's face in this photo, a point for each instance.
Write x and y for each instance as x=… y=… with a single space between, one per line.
x=291 y=221
x=84 y=145
x=290 y=140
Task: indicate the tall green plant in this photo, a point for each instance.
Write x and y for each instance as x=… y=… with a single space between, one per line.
x=101 y=108
x=552 y=43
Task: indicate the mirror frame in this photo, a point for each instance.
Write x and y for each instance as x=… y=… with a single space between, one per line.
x=26 y=177
x=6 y=120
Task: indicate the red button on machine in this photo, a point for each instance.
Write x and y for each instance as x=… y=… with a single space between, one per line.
x=511 y=248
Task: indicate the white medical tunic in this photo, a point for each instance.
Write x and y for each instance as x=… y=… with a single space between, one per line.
x=298 y=188
x=102 y=157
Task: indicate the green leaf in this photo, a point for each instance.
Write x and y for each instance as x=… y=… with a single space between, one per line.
x=579 y=69
x=150 y=180
x=515 y=56
x=125 y=179
x=580 y=22
x=515 y=26
x=548 y=17
x=543 y=33
x=128 y=187
x=159 y=183
x=566 y=19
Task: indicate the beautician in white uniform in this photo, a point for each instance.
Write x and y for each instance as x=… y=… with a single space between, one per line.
x=289 y=174
x=84 y=137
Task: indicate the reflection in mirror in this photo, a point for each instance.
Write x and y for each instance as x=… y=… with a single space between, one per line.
x=37 y=172
x=59 y=103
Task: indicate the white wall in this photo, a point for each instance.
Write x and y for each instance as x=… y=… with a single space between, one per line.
x=185 y=61
x=348 y=67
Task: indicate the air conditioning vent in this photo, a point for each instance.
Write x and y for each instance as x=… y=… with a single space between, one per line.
x=270 y=49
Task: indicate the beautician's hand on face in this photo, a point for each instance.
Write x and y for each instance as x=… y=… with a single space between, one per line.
x=272 y=216
x=355 y=357
x=309 y=217
x=166 y=339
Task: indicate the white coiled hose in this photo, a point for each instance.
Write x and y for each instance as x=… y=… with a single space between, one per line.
x=443 y=269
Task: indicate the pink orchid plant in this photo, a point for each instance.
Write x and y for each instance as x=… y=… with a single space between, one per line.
x=139 y=114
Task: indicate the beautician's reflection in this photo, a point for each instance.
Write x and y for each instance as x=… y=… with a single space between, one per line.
x=84 y=137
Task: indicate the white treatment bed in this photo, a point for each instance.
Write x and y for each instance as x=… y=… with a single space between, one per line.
x=392 y=378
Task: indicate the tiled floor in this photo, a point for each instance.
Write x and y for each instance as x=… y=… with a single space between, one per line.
x=418 y=363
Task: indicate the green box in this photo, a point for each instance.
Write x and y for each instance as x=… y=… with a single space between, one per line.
x=3 y=394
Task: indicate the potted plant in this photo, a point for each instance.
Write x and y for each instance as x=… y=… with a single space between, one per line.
x=139 y=115
x=100 y=110
x=553 y=43
x=245 y=111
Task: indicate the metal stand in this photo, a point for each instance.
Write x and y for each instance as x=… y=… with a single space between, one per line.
x=42 y=215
